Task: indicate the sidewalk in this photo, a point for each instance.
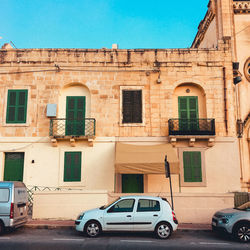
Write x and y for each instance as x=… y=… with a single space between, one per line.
x=50 y=224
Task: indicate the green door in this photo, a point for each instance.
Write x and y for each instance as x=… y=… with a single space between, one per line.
x=188 y=113
x=132 y=183
x=13 y=167
x=75 y=115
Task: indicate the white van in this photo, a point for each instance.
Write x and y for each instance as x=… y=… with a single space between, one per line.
x=13 y=204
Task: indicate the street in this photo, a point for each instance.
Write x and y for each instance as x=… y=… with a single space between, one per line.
x=27 y=238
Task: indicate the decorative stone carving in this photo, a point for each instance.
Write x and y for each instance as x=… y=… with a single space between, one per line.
x=241 y=7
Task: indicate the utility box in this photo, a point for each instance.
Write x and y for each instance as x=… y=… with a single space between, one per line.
x=51 y=110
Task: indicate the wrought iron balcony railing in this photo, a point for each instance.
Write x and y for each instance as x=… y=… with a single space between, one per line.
x=191 y=126
x=61 y=127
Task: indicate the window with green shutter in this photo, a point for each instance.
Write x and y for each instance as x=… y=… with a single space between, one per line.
x=72 y=166
x=75 y=115
x=192 y=166
x=131 y=106
x=188 y=113
x=17 y=106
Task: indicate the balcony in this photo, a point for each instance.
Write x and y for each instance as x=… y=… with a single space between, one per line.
x=191 y=127
x=62 y=127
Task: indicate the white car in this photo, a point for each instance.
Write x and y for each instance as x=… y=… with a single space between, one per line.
x=130 y=213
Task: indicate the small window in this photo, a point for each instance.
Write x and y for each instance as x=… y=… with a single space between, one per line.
x=4 y=194
x=72 y=166
x=16 y=106
x=148 y=205
x=192 y=166
x=132 y=106
x=122 y=206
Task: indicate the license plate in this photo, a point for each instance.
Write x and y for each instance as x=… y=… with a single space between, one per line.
x=21 y=210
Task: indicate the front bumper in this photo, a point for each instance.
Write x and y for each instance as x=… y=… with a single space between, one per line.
x=219 y=226
x=79 y=225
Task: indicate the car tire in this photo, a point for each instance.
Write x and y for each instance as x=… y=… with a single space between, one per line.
x=163 y=230
x=2 y=228
x=93 y=229
x=241 y=232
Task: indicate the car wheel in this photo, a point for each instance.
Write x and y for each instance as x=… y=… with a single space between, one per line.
x=242 y=232
x=1 y=228
x=163 y=230
x=93 y=229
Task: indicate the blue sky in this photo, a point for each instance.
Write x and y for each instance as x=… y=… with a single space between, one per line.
x=100 y=23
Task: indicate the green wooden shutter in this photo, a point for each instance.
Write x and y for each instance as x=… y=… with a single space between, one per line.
x=16 y=106
x=132 y=106
x=192 y=166
x=188 y=112
x=72 y=166
x=183 y=113
x=137 y=106
x=75 y=115
x=127 y=106
x=13 y=167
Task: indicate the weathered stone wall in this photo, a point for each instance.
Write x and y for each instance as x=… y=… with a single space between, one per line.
x=45 y=72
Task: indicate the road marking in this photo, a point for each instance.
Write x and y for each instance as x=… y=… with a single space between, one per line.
x=139 y=241
x=214 y=243
x=67 y=239
x=4 y=238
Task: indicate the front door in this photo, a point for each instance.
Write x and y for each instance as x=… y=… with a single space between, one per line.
x=75 y=115
x=188 y=113
x=132 y=183
x=13 y=167
x=120 y=216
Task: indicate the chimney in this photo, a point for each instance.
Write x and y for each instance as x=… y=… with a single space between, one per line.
x=114 y=46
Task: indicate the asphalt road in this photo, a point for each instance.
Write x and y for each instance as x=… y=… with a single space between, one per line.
x=62 y=239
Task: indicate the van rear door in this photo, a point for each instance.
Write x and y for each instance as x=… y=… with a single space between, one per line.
x=20 y=203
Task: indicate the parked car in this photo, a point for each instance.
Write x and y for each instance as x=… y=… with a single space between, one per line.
x=13 y=205
x=130 y=213
x=234 y=221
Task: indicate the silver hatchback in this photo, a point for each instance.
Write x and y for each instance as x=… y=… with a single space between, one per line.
x=234 y=221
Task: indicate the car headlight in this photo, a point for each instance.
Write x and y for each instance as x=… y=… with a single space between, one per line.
x=226 y=218
x=80 y=216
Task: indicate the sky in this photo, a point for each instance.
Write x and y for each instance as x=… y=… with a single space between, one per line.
x=97 y=24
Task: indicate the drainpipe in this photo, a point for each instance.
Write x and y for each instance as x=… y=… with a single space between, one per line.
x=225 y=99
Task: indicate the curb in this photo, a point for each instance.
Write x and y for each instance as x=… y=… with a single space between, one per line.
x=54 y=226
x=48 y=226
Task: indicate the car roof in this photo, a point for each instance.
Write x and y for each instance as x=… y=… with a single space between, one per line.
x=141 y=197
x=12 y=183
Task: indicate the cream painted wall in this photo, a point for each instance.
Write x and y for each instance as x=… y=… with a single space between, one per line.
x=159 y=183
x=66 y=204
x=47 y=169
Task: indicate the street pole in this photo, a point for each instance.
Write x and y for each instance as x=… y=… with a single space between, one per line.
x=168 y=175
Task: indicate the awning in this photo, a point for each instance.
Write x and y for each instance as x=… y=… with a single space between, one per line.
x=144 y=159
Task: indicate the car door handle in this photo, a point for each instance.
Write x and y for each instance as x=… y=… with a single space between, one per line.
x=155 y=214
x=129 y=216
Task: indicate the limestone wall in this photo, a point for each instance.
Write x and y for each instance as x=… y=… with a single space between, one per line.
x=101 y=74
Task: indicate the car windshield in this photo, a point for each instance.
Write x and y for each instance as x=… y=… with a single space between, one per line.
x=105 y=206
x=244 y=206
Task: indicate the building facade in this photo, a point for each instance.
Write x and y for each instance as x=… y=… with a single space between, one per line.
x=231 y=19
x=98 y=123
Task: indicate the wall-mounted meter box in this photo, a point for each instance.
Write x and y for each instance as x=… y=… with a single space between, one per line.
x=51 y=110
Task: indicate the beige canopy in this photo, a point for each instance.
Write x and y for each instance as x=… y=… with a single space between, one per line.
x=144 y=159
